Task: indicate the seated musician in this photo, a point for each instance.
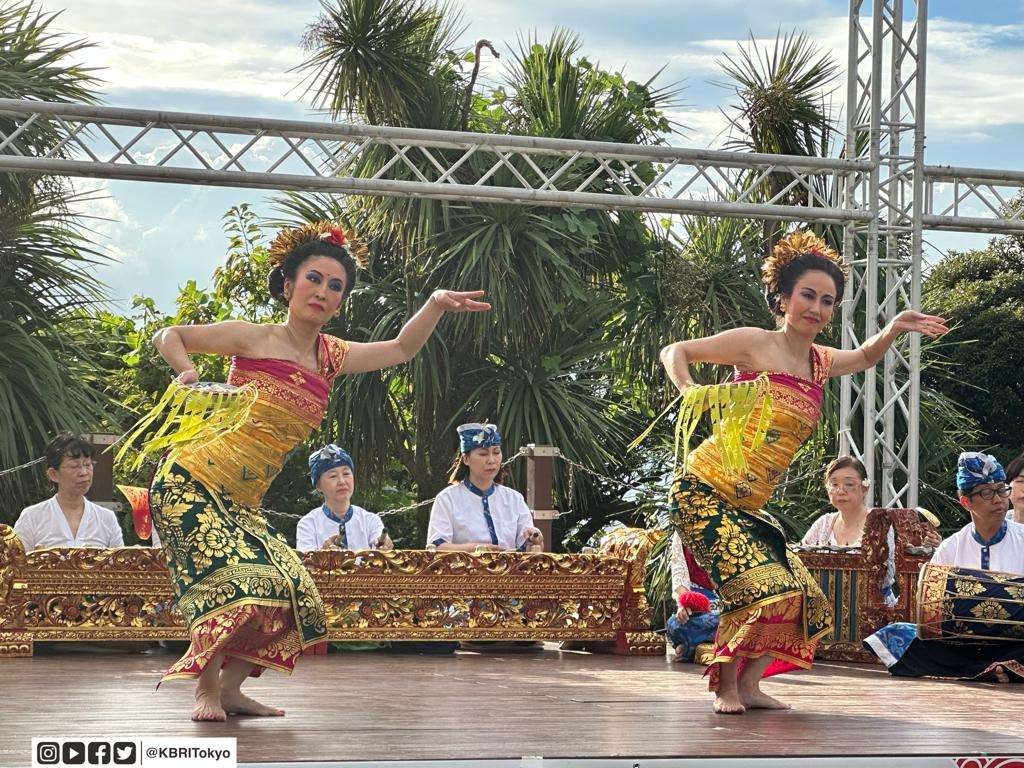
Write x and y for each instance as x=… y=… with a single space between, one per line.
x=1015 y=478
x=68 y=519
x=690 y=626
x=338 y=523
x=988 y=543
x=477 y=513
x=846 y=482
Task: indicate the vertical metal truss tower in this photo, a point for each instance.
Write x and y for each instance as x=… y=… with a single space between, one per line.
x=879 y=420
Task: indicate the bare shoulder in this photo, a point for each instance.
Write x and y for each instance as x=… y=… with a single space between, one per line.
x=229 y=337
x=736 y=346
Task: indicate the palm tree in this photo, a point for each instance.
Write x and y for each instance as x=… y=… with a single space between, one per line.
x=47 y=371
x=541 y=364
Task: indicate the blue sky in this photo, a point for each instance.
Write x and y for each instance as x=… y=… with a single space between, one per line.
x=233 y=57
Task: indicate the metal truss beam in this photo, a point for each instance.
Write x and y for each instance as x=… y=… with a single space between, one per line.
x=218 y=150
x=973 y=199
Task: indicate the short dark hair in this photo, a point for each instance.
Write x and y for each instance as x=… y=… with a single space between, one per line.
x=67 y=446
x=1015 y=468
x=788 y=275
x=298 y=255
x=846 y=462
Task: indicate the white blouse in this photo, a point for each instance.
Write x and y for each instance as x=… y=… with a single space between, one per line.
x=44 y=526
x=362 y=530
x=457 y=517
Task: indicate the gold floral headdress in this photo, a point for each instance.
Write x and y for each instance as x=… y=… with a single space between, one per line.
x=290 y=238
x=792 y=246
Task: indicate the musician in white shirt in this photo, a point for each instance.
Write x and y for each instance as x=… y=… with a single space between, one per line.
x=68 y=519
x=338 y=522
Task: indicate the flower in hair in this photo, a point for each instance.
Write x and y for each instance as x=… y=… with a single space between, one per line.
x=791 y=247
x=290 y=238
x=335 y=236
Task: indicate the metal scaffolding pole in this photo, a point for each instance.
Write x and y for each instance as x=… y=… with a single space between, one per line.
x=879 y=419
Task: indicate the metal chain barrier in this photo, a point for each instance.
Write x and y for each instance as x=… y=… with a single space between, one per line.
x=22 y=466
x=397 y=510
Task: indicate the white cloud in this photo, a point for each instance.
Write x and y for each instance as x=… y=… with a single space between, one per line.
x=243 y=68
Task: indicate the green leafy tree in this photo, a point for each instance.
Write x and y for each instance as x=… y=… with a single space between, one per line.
x=542 y=364
x=47 y=373
x=981 y=294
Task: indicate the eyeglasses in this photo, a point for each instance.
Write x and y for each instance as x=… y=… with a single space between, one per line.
x=74 y=466
x=848 y=487
x=988 y=493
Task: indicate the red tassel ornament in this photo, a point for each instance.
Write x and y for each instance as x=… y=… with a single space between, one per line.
x=694 y=602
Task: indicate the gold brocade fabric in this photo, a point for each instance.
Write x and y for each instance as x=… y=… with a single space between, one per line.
x=243 y=463
x=796 y=407
x=239 y=585
x=769 y=603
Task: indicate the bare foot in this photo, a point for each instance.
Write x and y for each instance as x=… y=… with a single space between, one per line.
x=728 y=704
x=208 y=708
x=238 y=703
x=761 y=700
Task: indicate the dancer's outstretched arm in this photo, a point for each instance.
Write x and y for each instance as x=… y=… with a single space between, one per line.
x=372 y=356
x=868 y=354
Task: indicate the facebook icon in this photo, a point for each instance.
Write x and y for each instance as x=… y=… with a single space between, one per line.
x=99 y=753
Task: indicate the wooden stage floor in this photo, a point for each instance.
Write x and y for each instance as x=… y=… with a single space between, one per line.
x=374 y=706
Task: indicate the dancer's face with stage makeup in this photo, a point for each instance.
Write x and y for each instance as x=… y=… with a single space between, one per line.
x=484 y=464
x=318 y=289
x=337 y=485
x=811 y=304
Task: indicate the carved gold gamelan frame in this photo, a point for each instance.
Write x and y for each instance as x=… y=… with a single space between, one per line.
x=125 y=594
x=852 y=582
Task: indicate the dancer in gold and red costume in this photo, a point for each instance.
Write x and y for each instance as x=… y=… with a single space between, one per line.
x=772 y=614
x=249 y=603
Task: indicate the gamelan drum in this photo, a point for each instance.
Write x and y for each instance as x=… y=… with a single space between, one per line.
x=965 y=604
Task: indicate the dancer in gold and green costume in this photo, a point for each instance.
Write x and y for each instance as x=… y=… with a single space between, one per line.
x=772 y=614
x=248 y=602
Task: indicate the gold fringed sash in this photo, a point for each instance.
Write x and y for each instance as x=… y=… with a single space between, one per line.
x=730 y=407
x=192 y=414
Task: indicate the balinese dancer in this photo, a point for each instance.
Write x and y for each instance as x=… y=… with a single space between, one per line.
x=772 y=614
x=477 y=513
x=248 y=602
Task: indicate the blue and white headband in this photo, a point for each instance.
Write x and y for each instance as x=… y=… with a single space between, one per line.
x=973 y=468
x=477 y=436
x=327 y=458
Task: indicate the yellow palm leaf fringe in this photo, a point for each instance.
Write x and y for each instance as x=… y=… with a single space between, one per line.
x=730 y=407
x=191 y=415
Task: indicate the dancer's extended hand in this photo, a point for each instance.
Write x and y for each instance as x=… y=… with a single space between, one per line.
x=460 y=301
x=931 y=326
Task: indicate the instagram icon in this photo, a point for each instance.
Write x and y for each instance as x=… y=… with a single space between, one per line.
x=47 y=753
